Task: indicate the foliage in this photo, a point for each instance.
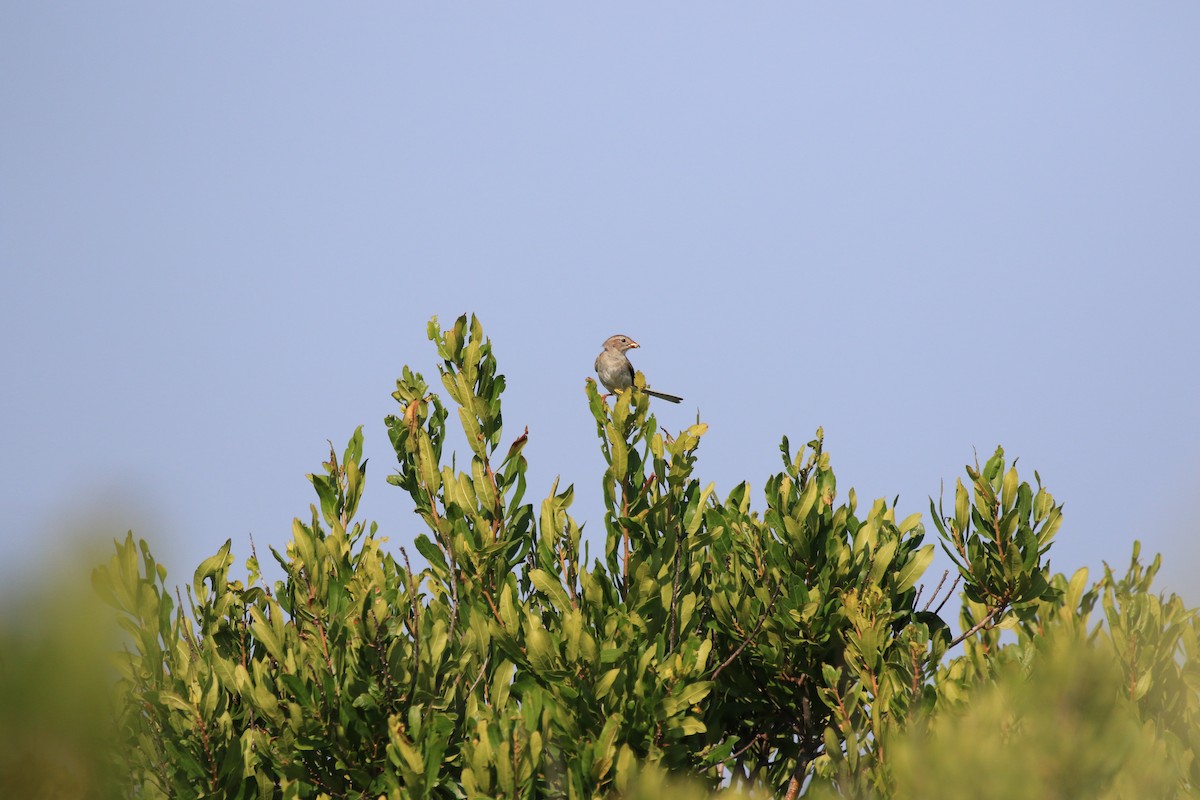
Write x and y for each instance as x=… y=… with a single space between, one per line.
x=760 y=651
x=55 y=710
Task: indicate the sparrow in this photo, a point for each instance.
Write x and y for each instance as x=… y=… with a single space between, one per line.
x=615 y=371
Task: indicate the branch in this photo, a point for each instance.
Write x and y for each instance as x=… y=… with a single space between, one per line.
x=758 y=627
x=933 y=596
x=673 y=632
x=976 y=627
x=949 y=594
x=478 y=678
x=449 y=550
x=416 y=620
x=755 y=739
x=793 y=790
x=495 y=613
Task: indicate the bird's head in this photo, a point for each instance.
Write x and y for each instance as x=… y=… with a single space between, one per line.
x=620 y=342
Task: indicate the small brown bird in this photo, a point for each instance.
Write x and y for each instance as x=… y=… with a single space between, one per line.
x=615 y=371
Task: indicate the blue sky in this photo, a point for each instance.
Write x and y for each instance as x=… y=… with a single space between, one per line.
x=930 y=229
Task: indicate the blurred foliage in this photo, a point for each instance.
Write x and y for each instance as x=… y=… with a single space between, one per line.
x=709 y=648
x=56 y=708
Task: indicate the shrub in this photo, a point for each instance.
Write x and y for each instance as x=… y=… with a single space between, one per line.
x=777 y=651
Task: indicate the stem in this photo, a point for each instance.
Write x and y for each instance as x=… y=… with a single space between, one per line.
x=673 y=629
x=492 y=605
x=793 y=790
x=625 y=543
x=758 y=627
x=949 y=594
x=416 y=620
x=208 y=756
x=933 y=596
x=449 y=550
x=976 y=627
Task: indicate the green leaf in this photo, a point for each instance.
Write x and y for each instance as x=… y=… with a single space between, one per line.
x=433 y=554
x=604 y=685
x=427 y=466
x=605 y=748
x=914 y=568
x=686 y=697
x=215 y=567
x=690 y=725
x=882 y=560
x=543 y=654
x=1008 y=494
x=484 y=487
x=549 y=585
x=694 y=514
x=328 y=494
x=962 y=507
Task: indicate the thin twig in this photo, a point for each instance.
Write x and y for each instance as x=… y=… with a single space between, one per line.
x=673 y=632
x=449 y=550
x=753 y=741
x=254 y=552
x=761 y=621
x=337 y=691
x=495 y=613
x=933 y=596
x=976 y=627
x=190 y=632
x=416 y=622
x=625 y=540
x=949 y=594
x=478 y=678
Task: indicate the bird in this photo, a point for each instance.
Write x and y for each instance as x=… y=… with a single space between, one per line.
x=615 y=371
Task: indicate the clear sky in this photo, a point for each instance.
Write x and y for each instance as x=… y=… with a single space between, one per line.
x=929 y=228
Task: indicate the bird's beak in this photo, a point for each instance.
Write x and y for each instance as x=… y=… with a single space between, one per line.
x=633 y=344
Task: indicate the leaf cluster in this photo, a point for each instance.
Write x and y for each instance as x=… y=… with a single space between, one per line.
x=771 y=650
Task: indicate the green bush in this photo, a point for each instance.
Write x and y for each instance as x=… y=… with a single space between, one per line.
x=777 y=651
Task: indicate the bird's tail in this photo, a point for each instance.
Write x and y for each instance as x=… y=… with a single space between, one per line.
x=670 y=398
